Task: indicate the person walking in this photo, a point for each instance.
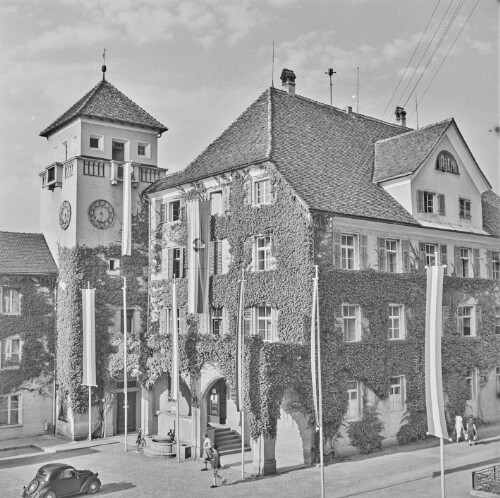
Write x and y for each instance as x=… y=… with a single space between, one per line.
x=471 y=430
x=215 y=466
x=458 y=426
x=207 y=447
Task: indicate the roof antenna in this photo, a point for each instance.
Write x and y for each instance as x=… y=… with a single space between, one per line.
x=272 y=69
x=330 y=72
x=416 y=108
x=103 y=68
x=357 y=93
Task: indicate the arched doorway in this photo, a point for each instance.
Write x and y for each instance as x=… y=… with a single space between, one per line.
x=217 y=402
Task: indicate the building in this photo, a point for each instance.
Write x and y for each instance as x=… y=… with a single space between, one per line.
x=81 y=217
x=295 y=184
x=28 y=276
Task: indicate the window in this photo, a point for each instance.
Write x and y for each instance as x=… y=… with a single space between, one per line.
x=170 y=211
x=64 y=151
x=429 y=202
x=10 y=409
x=262 y=192
x=464 y=262
x=118 y=151
x=96 y=142
x=144 y=149
x=216 y=202
x=464 y=209
x=391 y=255
x=351 y=323
x=495 y=265
x=446 y=162
x=470 y=380
x=176 y=261
x=10 y=352
x=347 y=251
x=113 y=264
x=261 y=321
x=466 y=321
x=396 y=322
x=216 y=325
x=262 y=253
x=430 y=254
x=354 y=400
x=130 y=321
x=498 y=379
x=396 y=393
x=497 y=320
x=11 y=301
x=66 y=474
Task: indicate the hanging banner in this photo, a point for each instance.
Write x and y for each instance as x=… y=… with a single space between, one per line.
x=127 y=210
x=88 y=312
x=436 y=421
x=239 y=349
x=313 y=349
x=198 y=223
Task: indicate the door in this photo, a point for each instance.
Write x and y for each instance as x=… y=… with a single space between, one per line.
x=120 y=419
x=217 y=403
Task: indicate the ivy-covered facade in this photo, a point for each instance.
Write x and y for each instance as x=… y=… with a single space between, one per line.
x=294 y=185
x=27 y=335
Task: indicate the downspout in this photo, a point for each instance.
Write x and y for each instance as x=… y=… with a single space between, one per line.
x=54 y=404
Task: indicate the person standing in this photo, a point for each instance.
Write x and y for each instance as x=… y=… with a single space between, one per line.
x=458 y=426
x=215 y=466
x=471 y=430
x=207 y=447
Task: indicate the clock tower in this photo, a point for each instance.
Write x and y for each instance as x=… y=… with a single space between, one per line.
x=82 y=194
x=82 y=213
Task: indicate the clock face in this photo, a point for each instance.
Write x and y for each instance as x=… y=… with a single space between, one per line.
x=101 y=214
x=65 y=215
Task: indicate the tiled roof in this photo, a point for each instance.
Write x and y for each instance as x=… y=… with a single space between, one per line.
x=403 y=154
x=106 y=102
x=325 y=154
x=491 y=212
x=26 y=254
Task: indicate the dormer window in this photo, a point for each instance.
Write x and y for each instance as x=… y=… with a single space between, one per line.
x=464 y=209
x=429 y=202
x=446 y=162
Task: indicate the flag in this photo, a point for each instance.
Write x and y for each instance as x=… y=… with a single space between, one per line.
x=175 y=344
x=436 y=422
x=88 y=312
x=127 y=210
x=313 y=348
x=198 y=222
x=239 y=349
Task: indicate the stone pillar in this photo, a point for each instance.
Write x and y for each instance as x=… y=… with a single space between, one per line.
x=264 y=460
x=148 y=419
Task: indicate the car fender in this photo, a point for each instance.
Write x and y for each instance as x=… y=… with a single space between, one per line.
x=87 y=482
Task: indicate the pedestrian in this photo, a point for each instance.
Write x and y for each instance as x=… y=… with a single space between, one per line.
x=207 y=447
x=216 y=466
x=458 y=426
x=471 y=431
x=139 y=441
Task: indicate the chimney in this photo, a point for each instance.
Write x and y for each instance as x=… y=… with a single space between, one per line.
x=401 y=116
x=288 y=81
x=349 y=109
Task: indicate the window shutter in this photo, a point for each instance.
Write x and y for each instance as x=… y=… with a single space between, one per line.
x=218 y=256
x=1 y=300
x=336 y=249
x=248 y=189
x=477 y=264
x=211 y=258
x=489 y=264
x=225 y=199
x=405 y=246
x=381 y=253
x=460 y=322
x=441 y=207
x=479 y=318
x=170 y=263
x=421 y=253
x=181 y=263
x=363 y=255
x=338 y=311
x=444 y=255
x=446 y=317
x=420 y=201
x=274 y=323
x=457 y=261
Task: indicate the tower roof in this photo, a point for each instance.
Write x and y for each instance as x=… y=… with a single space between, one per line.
x=106 y=102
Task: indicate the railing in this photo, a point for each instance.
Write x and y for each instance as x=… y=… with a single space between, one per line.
x=68 y=168
x=487 y=480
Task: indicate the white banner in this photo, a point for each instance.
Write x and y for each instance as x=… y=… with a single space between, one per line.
x=127 y=210
x=88 y=312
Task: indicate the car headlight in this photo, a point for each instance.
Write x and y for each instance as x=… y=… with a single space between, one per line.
x=32 y=487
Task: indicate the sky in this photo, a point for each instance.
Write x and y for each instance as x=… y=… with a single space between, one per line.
x=196 y=65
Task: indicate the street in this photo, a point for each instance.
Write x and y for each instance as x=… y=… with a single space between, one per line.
x=396 y=473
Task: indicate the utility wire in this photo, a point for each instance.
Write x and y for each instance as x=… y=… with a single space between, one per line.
x=436 y=48
x=411 y=58
x=449 y=50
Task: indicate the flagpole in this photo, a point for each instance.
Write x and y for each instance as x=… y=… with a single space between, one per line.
x=320 y=396
x=241 y=334
x=176 y=367
x=90 y=398
x=125 y=402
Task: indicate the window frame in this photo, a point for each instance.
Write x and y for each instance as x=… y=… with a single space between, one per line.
x=10 y=410
x=495 y=265
x=167 y=211
x=497 y=320
x=130 y=321
x=430 y=255
x=464 y=208
x=176 y=262
x=213 y=212
x=113 y=264
x=217 y=321
x=256 y=196
x=465 y=270
x=345 y=249
x=401 y=324
x=391 y=252
x=122 y=142
x=100 y=141
x=147 y=149
x=346 y=319
x=471 y=318
x=471 y=381
x=429 y=199
x=11 y=310
x=359 y=409
x=265 y=251
x=3 y=343
x=251 y=323
x=395 y=382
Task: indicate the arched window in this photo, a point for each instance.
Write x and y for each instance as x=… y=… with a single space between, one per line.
x=446 y=162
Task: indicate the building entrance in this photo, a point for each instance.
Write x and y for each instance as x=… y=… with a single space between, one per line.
x=216 y=402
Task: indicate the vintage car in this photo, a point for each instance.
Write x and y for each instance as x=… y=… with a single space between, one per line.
x=56 y=480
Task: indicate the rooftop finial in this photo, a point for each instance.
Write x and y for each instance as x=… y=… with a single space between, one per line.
x=104 y=65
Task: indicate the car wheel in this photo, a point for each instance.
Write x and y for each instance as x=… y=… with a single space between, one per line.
x=50 y=494
x=93 y=487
